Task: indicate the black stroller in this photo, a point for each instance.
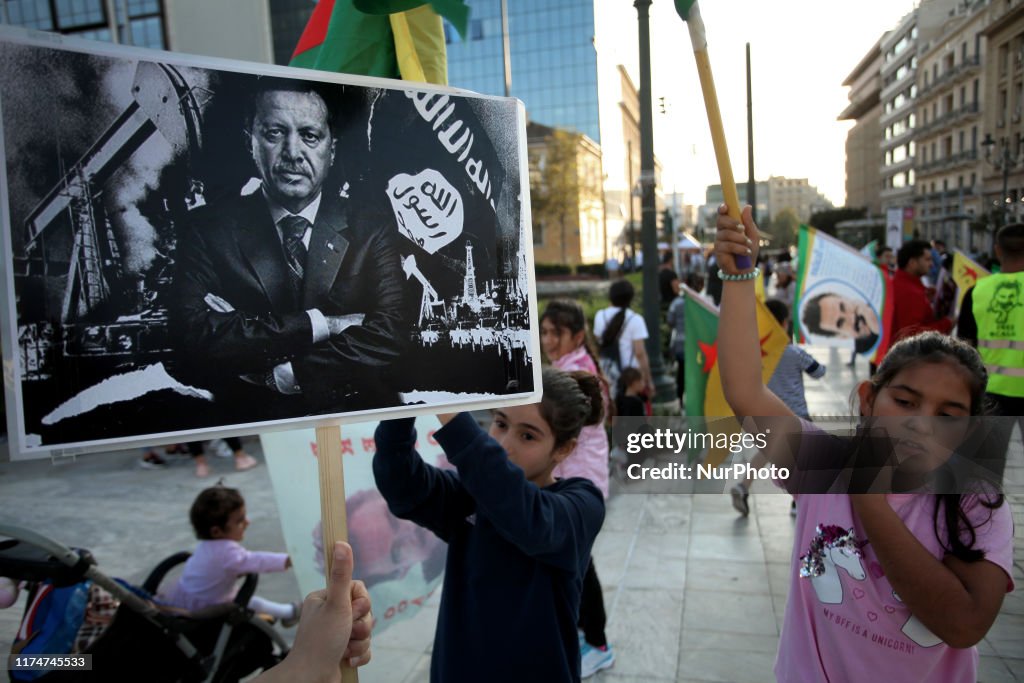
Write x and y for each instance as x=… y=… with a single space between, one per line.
x=219 y=644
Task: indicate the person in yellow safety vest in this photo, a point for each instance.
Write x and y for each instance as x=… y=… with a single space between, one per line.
x=992 y=319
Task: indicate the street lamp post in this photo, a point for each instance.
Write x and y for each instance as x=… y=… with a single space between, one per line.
x=663 y=386
x=1005 y=161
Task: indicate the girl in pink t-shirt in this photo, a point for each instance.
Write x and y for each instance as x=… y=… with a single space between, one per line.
x=563 y=336
x=211 y=573
x=881 y=588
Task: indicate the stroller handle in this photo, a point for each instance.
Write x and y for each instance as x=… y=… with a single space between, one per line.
x=82 y=564
x=58 y=551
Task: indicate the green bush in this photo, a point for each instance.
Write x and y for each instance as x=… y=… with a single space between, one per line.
x=596 y=269
x=543 y=269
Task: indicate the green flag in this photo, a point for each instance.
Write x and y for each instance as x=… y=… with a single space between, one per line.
x=386 y=38
x=701 y=348
x=340 y=38
x=683 y=8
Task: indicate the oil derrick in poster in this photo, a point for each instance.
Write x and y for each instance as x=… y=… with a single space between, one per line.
x=455 y=199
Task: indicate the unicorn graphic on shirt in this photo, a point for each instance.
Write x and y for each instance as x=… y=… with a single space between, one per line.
x=916 y=631
x=832 y=548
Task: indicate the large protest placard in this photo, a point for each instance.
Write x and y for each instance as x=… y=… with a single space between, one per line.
x=196 y=246
x=842 y=298
x=401 y=562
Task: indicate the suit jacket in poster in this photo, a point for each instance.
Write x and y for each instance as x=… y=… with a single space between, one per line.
x=232 y=250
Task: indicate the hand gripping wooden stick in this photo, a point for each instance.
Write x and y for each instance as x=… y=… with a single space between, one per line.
x=332 y=506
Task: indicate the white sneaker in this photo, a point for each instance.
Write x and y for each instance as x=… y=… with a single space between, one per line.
x=593 y=659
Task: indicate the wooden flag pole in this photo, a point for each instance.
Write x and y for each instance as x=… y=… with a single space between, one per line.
x=699 y=39
x=332 y=506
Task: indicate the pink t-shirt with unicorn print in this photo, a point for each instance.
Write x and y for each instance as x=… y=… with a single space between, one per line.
x=843 y=620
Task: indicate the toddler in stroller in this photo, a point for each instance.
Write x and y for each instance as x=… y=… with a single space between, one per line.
x=210 y=574
x=74 y=608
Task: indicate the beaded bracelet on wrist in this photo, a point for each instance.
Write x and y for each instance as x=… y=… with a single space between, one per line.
x=726 y=277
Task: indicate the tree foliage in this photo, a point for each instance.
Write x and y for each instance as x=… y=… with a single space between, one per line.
x=555 y=189
x=826 y=220
x=784 y=229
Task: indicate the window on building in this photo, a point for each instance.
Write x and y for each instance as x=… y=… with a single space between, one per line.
x=30 y=13
x=476 y=29
x=538 y=232
x=74 y=13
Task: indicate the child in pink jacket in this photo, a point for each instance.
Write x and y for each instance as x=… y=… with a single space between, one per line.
x=563 y=336
x=211 y=574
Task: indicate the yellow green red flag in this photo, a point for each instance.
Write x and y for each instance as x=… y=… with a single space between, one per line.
x=966 y=272
x=704 y=394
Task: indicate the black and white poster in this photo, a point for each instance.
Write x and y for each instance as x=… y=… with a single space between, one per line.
x=196 y=246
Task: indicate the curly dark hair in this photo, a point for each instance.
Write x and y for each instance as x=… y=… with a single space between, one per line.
x=212 y=508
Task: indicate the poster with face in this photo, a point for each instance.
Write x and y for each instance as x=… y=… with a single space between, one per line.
x=196 y=246
x=842 y=298
x=400 y=562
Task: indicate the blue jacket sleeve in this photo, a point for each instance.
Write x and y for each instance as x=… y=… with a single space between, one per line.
x=424 y=494
x=557 y=528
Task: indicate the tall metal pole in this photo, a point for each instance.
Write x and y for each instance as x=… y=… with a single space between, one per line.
x=506 y=52
x=751 y=183
x=129 y=39
x=1004 y=213
x=664 y=390
x=112 y=21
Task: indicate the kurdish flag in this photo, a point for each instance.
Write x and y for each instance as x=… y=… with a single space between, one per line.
x=704 y=394
x=386 y=38
x=966 y=272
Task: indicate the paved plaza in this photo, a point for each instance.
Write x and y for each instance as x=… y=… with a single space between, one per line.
x=693 y=591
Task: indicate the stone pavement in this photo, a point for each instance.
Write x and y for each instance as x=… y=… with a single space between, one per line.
x=693 y=592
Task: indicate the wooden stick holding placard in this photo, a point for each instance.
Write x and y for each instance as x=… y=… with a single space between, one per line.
x=332 y=506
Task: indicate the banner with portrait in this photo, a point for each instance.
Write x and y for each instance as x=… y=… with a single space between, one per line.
x=198 y=247
x=401 y=563
x=842 y=298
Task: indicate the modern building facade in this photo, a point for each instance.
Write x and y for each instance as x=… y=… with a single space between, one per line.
x=953 y=139
x=235 y=29
x=1002 y=173
x=864 y=155
x=553 y=59
x=774 y=195
x=566 y=192
x=899 y=88
x=947 y=194
x=135 y=22
x=574 y=68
